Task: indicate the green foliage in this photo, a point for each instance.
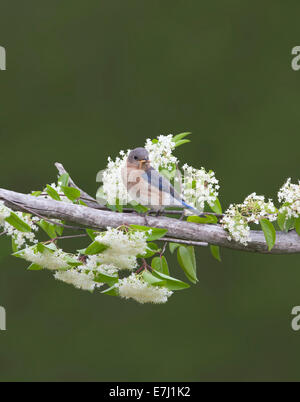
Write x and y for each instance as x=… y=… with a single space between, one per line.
x=160 y=264
x=52 y=193
x=169 y=282
x=112 y=291
x=216 y=207
x=155 y=233
x=94 y=248
x=71 y=193
x=187 y=261
x=18 y=223
x=173 y=247
x=63 y=179
x=269 y=232
x=203 y=219
x=215 y=251
x=297 y=225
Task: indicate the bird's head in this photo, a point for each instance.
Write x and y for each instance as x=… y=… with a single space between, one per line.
x=139 y=157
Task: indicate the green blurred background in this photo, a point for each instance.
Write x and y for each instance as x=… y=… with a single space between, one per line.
x=87 y=78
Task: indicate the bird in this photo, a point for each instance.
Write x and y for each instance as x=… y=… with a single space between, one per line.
x=147 y=186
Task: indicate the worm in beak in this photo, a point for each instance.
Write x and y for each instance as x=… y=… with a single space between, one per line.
x=141 y=163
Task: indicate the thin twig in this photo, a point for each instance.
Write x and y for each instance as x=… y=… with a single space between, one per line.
x=65 y=237
x=188 y=242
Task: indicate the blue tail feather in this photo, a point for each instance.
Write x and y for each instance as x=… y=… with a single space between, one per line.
x=190 y=208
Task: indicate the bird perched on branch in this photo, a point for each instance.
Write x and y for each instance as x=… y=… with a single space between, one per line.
x=147 y=186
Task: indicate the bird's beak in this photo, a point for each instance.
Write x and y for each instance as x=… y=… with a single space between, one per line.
x=142 y=162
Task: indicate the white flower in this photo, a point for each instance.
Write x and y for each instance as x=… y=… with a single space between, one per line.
x=50 y=260
x=199 y=187
x=4 y=213
x=80 y=280
x=20 y=238
x=113 y=187
x=290 y=194
x=236 y=226
x=93 y=264
x=237 y=217
x=160 y=152
x=136 y=288
x=123 y=247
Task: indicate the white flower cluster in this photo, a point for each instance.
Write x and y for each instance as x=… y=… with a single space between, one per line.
x=237 y=217
x=289 y=194
x=93 y=264
x=81 y=280
x=82 y=277
x=199 y=186
x=160 y=152
x=123 y=247
x=51 y=260
x=4 y=213
x=113 y=187
x=20 y=238
x=136 y=288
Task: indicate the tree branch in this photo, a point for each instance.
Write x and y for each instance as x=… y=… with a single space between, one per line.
x=286 y=243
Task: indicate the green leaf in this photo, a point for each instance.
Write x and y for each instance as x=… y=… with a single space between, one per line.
x=203 y=219
x=290 y=223
x=52 y=193
x=42 y=248
x=91 y=233
x=297 y=225
x=17 y=223
x=171 y=283
x=63 y=180
x=173 y=247
x=281 y=218
x=49 y=228
x=36 y=193
x=71 y=192
x=215 y=251
x=285 y=224
x=187 y=263
x=34 y=267
x=153 y=280
x=152 y=249
x=59 y=229
x=269 y=232
x=80 y=202
x=180 y=136
x=216 y=207
x=103 y=278
x=112 y=291
x=181 y=142
x=141 y=209
x=160 y=264
x=156 y=233
x=14 y=246
x=95 y=248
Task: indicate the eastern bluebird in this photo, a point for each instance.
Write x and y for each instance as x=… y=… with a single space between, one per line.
x=147 y=186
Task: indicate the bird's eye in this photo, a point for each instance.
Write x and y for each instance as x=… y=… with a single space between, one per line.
x=136 y=158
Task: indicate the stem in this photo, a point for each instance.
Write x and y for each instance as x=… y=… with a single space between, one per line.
x=65 y=237
x=188 y=242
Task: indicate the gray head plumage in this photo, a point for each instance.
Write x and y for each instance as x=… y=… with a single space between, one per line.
x=137 y=155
